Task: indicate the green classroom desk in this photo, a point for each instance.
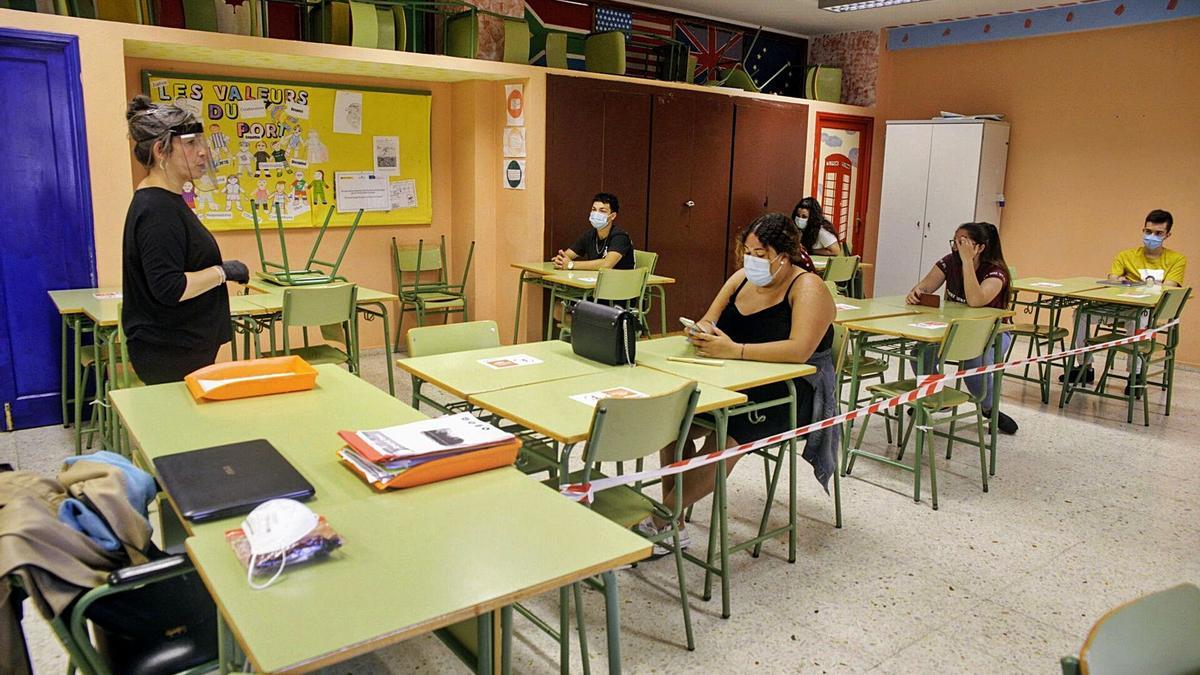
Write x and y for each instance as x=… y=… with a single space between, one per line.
x=69 y=304
x=544 y=274
x=896 y=332
x=736 y=375
x=461 y=373
x=508 y=557
x=1052 y=295
x=859 y=309
x=1119 y=303
x=372 y=304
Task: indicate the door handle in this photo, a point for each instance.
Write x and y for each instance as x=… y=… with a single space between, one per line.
x=918 y=224
x=927 y=225
x=689 y=203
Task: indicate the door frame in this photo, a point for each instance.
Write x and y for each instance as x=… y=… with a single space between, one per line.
x=865 y=126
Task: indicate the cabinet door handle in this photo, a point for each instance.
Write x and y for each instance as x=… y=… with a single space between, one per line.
x=689 y=203
x=918 y=224
x=927 y=225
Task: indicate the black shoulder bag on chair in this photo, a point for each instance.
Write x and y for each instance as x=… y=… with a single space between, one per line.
x=604 y=333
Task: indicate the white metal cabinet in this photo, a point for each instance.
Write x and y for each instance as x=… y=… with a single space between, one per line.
x=936 y=176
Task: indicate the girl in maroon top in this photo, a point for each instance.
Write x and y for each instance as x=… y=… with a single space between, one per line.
x=975 y=247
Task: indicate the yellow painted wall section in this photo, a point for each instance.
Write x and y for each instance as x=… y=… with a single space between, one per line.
x=1104 y=129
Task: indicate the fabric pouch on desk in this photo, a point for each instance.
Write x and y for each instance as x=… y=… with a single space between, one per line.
x=604 y=333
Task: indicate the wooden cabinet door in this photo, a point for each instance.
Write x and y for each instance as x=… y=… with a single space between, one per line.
x=768 y=163
x=690 y=149
x=597 y=140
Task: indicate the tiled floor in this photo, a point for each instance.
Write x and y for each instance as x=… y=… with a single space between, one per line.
x=1085 y=512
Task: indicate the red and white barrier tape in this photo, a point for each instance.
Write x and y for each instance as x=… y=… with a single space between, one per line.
x=928 y=386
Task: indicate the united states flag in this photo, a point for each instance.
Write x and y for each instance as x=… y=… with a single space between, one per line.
x=644 y=31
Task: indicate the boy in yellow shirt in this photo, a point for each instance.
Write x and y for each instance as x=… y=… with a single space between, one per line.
x=1138 y=265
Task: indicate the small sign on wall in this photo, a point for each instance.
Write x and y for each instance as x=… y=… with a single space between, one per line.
x=514 y=104
x=514 y=174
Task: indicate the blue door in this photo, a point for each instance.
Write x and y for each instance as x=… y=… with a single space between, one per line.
x=45 y=215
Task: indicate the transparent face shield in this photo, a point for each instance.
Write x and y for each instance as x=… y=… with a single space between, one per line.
x=198 y=159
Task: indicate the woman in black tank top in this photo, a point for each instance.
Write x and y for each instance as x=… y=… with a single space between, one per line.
x=774 y=309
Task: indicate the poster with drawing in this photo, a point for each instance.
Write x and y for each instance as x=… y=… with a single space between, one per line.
x=348 y=112
x=514 y=141
x=387 y=155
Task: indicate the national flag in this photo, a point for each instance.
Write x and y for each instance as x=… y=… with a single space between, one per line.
x=609 y=19
x=715 y=48
x=558 y=16
x=650 y=30
x=767 y=53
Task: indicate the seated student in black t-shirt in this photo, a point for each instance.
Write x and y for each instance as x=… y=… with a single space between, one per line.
x=604 y=246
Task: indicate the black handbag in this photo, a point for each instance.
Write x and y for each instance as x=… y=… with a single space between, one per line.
x=604 y=333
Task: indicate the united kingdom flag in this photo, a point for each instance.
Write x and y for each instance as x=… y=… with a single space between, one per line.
x=715 y=48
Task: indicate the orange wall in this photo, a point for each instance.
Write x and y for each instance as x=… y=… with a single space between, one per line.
x=1104 y=129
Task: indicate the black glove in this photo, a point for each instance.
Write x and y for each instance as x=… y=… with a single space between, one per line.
x=236 y=270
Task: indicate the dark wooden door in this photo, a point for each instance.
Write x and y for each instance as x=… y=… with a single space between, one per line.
x=597 y=140
x=688 y=210
x=768 y=163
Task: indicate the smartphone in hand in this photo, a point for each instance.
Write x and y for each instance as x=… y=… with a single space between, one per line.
x=692 y=326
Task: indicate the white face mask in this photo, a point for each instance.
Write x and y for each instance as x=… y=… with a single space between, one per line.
x=272 y=528
x=598 y=219
x=801 y=221
x=758 y=270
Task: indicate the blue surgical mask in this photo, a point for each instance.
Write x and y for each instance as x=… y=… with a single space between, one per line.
x=758 y=270
x=801 y=221
x=1152 y=242
x=598 y=220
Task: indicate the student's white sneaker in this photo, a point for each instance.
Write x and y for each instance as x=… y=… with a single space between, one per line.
x=646 y=528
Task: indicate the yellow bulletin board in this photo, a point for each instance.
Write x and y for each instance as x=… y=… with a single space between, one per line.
x=293 y=143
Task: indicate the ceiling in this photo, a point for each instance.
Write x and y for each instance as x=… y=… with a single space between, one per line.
x=801 y=17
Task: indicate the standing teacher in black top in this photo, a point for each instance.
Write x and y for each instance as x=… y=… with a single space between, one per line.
x=604 y=246
x=175 y=308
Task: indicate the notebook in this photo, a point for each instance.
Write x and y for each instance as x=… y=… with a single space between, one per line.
x=226 y=480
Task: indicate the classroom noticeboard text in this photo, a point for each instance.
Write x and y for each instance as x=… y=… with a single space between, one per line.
x=285 y=144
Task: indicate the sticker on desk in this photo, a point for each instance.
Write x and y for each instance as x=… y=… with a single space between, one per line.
x=107 y=295
x=844 y=307
x=930 y=325
x=585 y=278
x=1045 y=284
x=512 y=361
x=1136 y=296
x=592 y=398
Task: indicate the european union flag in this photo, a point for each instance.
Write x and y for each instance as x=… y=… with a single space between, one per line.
x=769 y=53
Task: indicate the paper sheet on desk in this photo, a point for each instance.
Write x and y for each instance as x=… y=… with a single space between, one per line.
x=929 y=324
x=513 y=361
x=1045 y=284
x=208 y=385
x=594 y=397
x=843 y=306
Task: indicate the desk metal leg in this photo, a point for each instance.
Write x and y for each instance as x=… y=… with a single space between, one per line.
x=387 y=342
x=994 y=418
x=612 y=611
x=564 y=630
x=62 y=387
x=483 y=637
x=517 y=318
x=506 y=621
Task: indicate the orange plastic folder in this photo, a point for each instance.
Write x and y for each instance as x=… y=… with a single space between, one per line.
x=427 y=451
x=243 y=379
x=452 y=466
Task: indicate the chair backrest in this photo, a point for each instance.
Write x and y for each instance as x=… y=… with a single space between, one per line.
x=692 y=62
x=516 y=40
x=620 y=284
x=647 y=259
x=415 y=261
x=739 y=78
x=605 y=53
x=462 y=30
x=452 y=337
x=631 y=428
x=832 y=286
x=839 y=346
x=319 y=305
x=840 y=269
x=1170 y=305
x=1155 y=634
x=556 y=50
x=967 y=339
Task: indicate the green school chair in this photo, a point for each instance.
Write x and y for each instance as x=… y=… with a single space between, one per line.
x=867 y=367
x=516 y=40
x=1152 y=635
x=624 y=287
x=1148 y=354
x=965 y=339
x=841 y=270
x=1042 y=337
x=462 y=34
x=625 y=430
x=332 y=308
x=155 y=617
x=556 y=50
x=605 y=53
x=447 y=339
x=425 y=296
x=649 y=260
